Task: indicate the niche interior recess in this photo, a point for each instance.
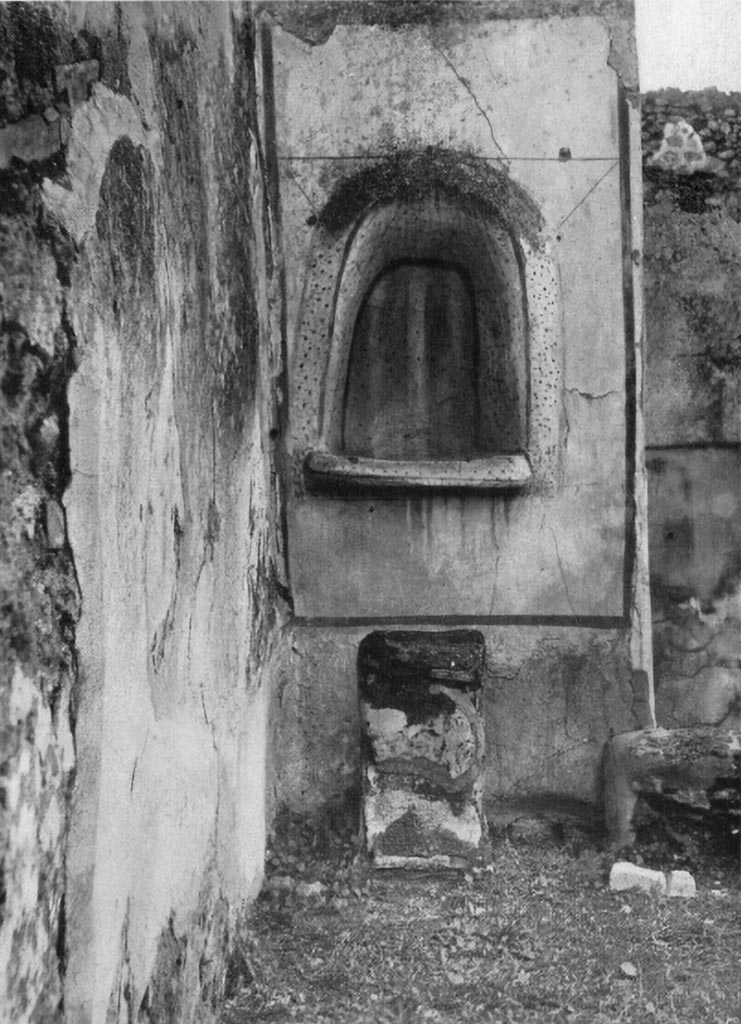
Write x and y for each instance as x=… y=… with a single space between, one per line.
x=425 y=328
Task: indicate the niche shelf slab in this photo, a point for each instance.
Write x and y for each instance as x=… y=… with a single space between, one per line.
x=327 y=471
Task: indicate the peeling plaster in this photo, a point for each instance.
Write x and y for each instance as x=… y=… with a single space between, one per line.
x=95 y=128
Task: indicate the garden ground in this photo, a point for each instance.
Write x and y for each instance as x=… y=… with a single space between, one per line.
x=533 y=934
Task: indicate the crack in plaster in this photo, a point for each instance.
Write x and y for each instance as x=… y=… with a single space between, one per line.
x=561 y=571
x=467 y=86
x=567 y=426
x=138 y=758
x=592 y=396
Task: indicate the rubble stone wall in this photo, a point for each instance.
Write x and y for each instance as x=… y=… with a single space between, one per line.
x=692 y=401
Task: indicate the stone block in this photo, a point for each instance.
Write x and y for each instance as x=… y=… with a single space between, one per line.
x=423 y=747
x=677 y=771
x=625 y=875
x=681 y=884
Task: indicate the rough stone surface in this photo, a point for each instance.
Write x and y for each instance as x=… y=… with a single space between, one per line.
x=681 y=149
x=692 y=274
x=624 y=875
x=423 y=745
x=713 y=118
x=683 y=775
x=39 y=597
x=131 y=243
x=394 y=665
x=544 y=818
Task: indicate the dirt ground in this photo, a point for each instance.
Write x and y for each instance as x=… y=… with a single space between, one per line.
x=531 y=934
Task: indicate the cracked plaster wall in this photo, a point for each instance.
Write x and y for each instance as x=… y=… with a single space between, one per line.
x=133 y=254
x=692 y=277
x=423 y=554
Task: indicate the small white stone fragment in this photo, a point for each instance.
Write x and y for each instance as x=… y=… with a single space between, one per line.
x=681 y=884
x=56 y=530
x=681 y=149
x=309 y=888
x=625 y=875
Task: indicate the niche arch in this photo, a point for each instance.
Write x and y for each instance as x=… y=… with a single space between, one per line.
x=402 y=233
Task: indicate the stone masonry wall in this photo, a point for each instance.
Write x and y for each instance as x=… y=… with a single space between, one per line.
x=39 y=591
x=692 y=275
x=140 y=582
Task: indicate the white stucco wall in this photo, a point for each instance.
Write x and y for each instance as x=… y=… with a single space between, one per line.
x=170 y=512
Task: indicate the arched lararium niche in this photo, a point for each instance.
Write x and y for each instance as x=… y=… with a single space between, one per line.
x=415 y=385
x=424 y=342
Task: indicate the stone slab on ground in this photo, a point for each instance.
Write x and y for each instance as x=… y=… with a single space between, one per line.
x=625 y=875
x=681 y=884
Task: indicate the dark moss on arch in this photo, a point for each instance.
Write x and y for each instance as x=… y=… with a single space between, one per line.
x=479 y=186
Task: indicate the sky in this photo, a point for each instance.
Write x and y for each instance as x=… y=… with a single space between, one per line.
x=690 y=44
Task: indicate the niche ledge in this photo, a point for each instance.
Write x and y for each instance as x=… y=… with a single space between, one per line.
x=326 y=471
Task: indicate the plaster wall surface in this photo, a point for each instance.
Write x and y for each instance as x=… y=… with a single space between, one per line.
x=547 y=573
x=468 y=89
x=151 y=194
